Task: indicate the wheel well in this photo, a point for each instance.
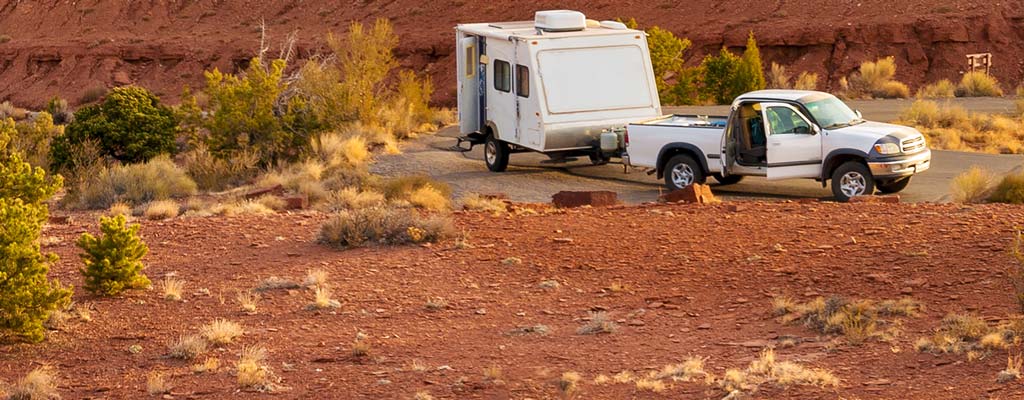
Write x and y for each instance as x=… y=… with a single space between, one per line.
x=668 y=154
x=835 y=162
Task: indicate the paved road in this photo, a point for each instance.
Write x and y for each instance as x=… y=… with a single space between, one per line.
x=530 y=179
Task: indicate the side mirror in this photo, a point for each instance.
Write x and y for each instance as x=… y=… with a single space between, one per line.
x=859 y=116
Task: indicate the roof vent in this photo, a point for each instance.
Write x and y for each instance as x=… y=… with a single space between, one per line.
x=560 y=21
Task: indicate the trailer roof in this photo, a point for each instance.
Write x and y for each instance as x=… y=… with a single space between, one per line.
x=526 y=30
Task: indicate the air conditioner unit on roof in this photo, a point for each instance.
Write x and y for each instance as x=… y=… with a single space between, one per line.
x=560 y=21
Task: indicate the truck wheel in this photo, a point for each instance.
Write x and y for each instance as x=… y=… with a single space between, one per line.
x=681 y=171
x=728 y=180
x=495 y=154
x=893 y=186
x=852 y=179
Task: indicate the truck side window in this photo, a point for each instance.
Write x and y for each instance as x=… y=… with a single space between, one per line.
x=502 y=76
x=783 y=120
x=522 y=80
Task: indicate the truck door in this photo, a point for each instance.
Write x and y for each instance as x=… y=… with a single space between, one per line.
x=469 y=88
x=728 y=145
x=794 y=143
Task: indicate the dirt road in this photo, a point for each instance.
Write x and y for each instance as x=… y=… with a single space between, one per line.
x=530 y=179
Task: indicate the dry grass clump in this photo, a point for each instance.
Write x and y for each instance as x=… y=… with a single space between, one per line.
x=429 y=198
x=322 y=299
x=1013 y=369
x=691 y=369
x=248 y=300
x=239 y=208
x=568 y=383
x=598 y=323
x=492 y=374
x=341 y=150
x=210 y=364
x=778 y=78
x=172 y=288
x=156 y=179
x=221 y=331
x=652 y=385
x=316 y=277
x=38 y=384
x=966 y=333
x=767 y=370
x=418 y=190
x=806 y=81
x=942 y=89
x=272 y=202
x=857 y=320
x=161 y=209
x=874 y=79
x=951 y=127
x=252 y=373
x=157 y=383
x=477 y=202
x=351 y=198
x=120 y=208
x=360 y=349
x=187 y=347
x=212 y=173
x=1009 y=190
x=436 y=304
x=978 y=84
x=276 y=283
x=972 y=186
x=422 y=395
x=378 y=225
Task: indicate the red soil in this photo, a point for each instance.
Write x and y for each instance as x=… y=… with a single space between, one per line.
x=67 y=48
x=698 y=280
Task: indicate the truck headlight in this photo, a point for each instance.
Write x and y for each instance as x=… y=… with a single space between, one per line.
x=887 y=148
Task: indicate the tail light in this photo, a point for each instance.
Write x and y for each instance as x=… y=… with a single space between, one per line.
x=625 y=136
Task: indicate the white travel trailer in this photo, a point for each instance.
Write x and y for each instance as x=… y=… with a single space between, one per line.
x=561 y=85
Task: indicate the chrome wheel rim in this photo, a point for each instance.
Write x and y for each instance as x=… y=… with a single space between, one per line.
x=852 y=184
x=682 y=175
x=490 y=151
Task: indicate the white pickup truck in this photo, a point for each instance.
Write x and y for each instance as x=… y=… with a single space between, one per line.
x=780 y=134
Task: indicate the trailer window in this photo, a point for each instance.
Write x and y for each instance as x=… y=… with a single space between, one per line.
x=522 y=80
x=470 y=61
x=502 y=76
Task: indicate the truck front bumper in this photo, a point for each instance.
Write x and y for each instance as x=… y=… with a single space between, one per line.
x=898 y=167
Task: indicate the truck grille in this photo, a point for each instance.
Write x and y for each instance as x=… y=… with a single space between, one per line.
x=913 y=145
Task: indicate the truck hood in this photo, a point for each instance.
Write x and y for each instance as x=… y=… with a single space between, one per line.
x=877 y=130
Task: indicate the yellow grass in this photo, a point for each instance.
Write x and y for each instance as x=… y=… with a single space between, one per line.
x=38 y=384
x=210 y=364
x=248 y=300
x=157 y=383
x=221 y=331
x=429 y=198
x=172 y=288
x=120 y=208
x=972 y=186
x=162 y=209
x=187 y=347
x=251 y=371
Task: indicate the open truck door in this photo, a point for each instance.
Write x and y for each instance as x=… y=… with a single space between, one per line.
x=794 y=142
x=728 y=145
x=470 y=88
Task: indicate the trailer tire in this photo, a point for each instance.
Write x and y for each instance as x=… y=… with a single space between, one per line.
x=727 y=180
x=495 y=154
x=681 y=171
x=852 y=179
x=598 y=158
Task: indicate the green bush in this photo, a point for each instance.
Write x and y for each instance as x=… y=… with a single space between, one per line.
x=27 y=297
x=978 y=84
x=137 y=184
x=750 y=75
x=727 y=76
x=668 y=60
x=379 y=225
x=130 y=126
x=34 y=138
x=113 y=262
x=1009 y=190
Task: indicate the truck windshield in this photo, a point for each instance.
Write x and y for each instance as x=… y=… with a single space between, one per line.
x=832 y=113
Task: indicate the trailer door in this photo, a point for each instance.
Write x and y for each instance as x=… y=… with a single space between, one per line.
x=469 y=87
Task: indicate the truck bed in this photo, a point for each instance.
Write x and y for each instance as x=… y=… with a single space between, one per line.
x=702 y=133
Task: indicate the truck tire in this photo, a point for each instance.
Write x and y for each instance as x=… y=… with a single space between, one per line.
x=893 y=186
x=681 y=171
x=495 y=154
x=728 y=180
x=852 y=179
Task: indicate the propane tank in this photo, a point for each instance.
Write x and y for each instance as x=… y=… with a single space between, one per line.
x=609 y=141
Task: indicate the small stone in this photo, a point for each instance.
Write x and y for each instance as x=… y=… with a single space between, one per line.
x=656 y=304
x=562 y=240
x=907 y=291
x=481 y=311
x=704 y=326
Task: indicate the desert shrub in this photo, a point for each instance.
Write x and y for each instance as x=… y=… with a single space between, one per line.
x=857 y=320
x=727 y=76
x=130 y=125
x=252 y=111
x=39 y=384
x=136 y=184
x=1009 y=190
x=9 y=110
x=162 y=209
x=212 y=173
x=380 y=225
x=34 y=138
x=668 y=58
x=951 y=127
x=61 y=112
x=972 y=186
x=340 y=150
x=806 y=81
x=778 y=78
x=353 y=198
x=411 y=105
x=941 y=89
x=27 y=297
x=978 y=84
x=113 y=261
x=403 y=187
x=876 y=79
x=476 y=202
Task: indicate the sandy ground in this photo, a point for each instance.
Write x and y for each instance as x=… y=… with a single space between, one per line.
x=679 y=280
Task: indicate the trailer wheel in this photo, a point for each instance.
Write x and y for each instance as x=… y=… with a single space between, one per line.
x=681 y=171
x=598 y=158
x=495 y=154
x=852 y=179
